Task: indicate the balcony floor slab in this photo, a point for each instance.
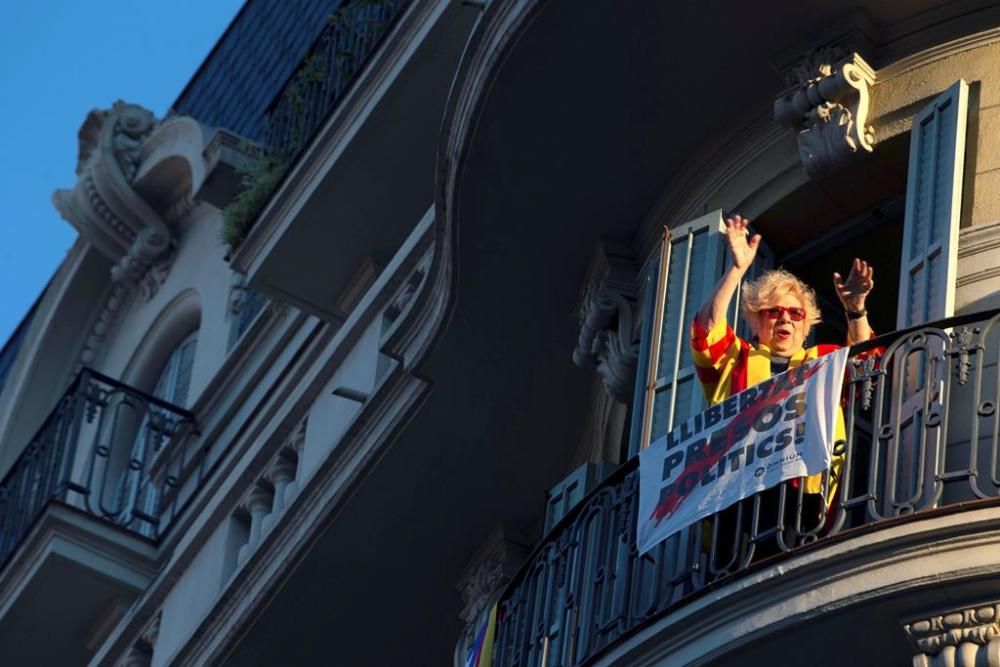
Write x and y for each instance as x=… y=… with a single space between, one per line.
x=66 y=585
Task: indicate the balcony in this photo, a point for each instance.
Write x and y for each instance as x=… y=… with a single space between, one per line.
x=332 y=64
x=81 y=511
x=360 y=117
x=922 y=470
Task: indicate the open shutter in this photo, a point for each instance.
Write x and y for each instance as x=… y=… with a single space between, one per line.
x=933 y=206
x=692 y=260
x=926 y=290
x=690 y=264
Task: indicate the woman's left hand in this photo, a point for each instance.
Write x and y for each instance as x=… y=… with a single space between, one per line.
x=853 y=291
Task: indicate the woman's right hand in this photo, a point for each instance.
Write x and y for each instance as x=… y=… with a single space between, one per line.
x=741 y=250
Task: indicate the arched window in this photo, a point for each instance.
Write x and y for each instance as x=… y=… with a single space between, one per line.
x=175 y=378
x=139 y=492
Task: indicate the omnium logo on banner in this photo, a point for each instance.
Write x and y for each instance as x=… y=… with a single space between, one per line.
x=779 y=429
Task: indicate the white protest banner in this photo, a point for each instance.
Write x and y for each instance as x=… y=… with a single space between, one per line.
x=779 y=429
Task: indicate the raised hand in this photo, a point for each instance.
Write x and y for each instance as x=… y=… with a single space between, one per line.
x=853 y=291
x=741 y=250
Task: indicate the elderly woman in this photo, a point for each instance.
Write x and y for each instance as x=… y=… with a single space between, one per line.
x=781 y=310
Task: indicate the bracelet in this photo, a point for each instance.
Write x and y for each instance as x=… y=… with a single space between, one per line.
x=856 y=314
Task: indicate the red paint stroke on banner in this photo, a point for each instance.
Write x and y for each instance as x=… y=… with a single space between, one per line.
x=740 y=424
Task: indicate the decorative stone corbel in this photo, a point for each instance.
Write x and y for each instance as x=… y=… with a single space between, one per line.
x=135 y=181
x=962 y=638
x=607 y=334
x=140 y=654
x=827 y=105
x=239 y=294
x=482 y=583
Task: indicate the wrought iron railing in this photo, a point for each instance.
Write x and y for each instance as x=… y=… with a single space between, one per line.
x=109 y=450
x=332 y=64
x=923 y=432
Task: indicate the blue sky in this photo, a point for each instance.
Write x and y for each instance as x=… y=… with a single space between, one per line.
x=58 y=60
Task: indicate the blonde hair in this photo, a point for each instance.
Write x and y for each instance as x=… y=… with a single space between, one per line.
x=765 y=291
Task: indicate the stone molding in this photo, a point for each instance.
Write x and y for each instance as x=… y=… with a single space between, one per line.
x=959 y=638
x=130 y=191
x=827 y=106
x=608 y=339
x=844 y=574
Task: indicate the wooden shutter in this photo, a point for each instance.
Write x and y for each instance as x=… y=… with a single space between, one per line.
x=691 y=262
x=933 y=207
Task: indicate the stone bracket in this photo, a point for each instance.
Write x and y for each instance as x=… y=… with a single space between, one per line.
x=960 y=638
x=607 y=337
x=828 y=109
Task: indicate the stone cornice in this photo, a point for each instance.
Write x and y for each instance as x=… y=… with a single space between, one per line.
x=939 y=52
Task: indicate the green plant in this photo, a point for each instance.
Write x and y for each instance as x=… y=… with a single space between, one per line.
x=342 y=15
x=257 y=182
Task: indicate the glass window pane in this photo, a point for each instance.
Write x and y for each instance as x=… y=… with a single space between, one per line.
x=690 y=399
x=661 y=409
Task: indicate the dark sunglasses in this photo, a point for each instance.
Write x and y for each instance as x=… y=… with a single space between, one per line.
x=794 y=314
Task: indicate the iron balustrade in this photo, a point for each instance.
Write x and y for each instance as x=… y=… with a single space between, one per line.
x=334 y=61
x=922 y=432
x=109 y=450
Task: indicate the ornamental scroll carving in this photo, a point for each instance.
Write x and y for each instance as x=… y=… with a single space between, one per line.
x=827 y=105
x=135 y=178
x=482 y=583
x=607 y=337
x=962 y=638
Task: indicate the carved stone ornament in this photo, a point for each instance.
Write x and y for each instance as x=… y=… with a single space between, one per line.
x=135 y=179
x=606 y=340
x=239 y=294
x=478 y=590
x=140 y=654
x=962 y=638
x=827 y=106
x=481 y=584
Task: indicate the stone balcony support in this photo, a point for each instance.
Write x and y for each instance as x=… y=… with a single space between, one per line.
x=966 y=637
x=137 y=179
x=258 y=505
x=827 y=106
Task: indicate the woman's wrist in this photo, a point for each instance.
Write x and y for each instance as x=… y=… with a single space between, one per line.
x=739 y=271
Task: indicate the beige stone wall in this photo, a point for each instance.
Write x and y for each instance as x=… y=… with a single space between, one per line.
x=199 y=268
x=903 y=88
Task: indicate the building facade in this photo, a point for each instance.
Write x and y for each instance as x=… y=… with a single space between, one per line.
x=363 y=338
